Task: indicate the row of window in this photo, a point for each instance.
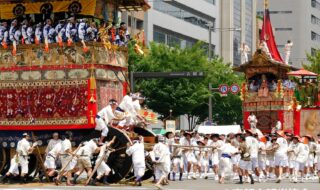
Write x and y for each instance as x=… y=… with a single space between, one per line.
x=137 y=23
x=261 y=13
x=283 y=29
x=315 y=20
x=173 y=39
x=183 y=14
x=213 y=2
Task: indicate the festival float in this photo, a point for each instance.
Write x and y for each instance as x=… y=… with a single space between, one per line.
x=275 y=91
x=48 y=87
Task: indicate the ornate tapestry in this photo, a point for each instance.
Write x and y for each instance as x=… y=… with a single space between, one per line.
x=309 y=122
x=109 y=90
x=267 y=120
x=44 y=104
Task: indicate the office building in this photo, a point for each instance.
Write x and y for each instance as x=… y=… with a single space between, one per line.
x=298 y=21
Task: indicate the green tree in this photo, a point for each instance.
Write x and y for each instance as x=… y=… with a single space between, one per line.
x=314 y=60
x=185 y=96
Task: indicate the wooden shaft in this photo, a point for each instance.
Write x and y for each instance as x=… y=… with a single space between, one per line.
x=69 y=161
x=40 y=159
x=100 y=161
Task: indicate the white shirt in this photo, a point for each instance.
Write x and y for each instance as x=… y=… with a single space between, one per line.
x=318 y=151
x=270 y=155
x=302 y=152
x=288 y=47
x=52 y=143
x=227 y=148
x=291 y=155
x=106 y=113
x=136 y=105
x=252 y=119
x=127 y=105
x=283 y=147
x=262 y=153
x=89 y=148
x=66 y=145
x=23 y=147
x=278 y=126
x=253 y=145
x=217 y=145
x=56 y=149
x=137 y=152
x=161 y=151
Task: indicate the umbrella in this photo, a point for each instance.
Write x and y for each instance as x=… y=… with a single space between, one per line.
x=302 y=72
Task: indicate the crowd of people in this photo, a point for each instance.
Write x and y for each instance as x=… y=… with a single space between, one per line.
x=255 y=85
x=70 y=30
x=243 y=157
x=248 y=156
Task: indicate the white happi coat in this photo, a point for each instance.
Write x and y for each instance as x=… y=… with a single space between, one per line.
x=52 y=155
x=22 y=149
x=103 y=168
x=225 y=164
x=138 y=158
x=162 y=155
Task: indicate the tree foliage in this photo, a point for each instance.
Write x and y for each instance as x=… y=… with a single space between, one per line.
x=314 y=60
x=186 y=96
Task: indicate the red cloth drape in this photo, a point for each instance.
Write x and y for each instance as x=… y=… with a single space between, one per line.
x=125 y=87
x=92 y=106
x=267 y=35
x=280 y=117
x=296 y=122
x=246 y=124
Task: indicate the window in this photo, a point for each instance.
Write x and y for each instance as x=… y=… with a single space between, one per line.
x=159 y=37
x=173 y=39
x=315 y=20
x=261 y=13
x=213 y=2
x=315 y=4
x=129 y=21
x=283 y=29
x=139 y=24
x=237 y=35
x=313 y=52
x=315 y=36
x=180 y=13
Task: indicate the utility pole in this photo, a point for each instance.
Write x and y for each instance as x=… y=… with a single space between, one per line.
x=210 y=102
x=210 y=39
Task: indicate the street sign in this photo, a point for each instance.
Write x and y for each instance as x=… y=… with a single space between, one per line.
x=223 y=89
x=234 y=89
x=186 y=74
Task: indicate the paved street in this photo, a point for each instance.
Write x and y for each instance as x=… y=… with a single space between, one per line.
x=185 y=185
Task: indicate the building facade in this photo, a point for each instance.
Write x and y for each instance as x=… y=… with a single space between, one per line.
x=298 y=21
x=240 y=17
x=183 y=22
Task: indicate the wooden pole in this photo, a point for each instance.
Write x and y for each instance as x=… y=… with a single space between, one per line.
x=100 y=161
x=38 y=154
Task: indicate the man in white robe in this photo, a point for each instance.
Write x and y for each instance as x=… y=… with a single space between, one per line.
x=136 y=150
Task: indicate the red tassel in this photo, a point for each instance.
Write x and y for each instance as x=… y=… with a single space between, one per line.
x=46 y=46
x=36 y=40
x=22 y=40
x=60 y=41
x=85 y=48
x=4 y=44
x=14 y=48
x=69 y=42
